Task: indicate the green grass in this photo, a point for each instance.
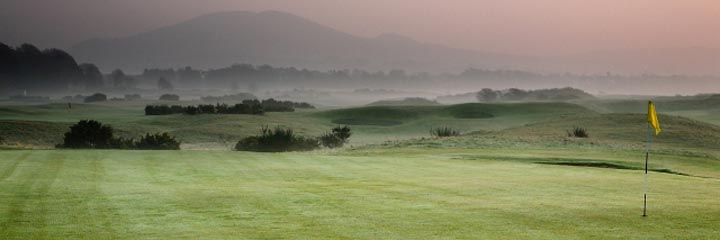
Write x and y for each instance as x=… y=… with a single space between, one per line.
x=398 y=194
x=515 y=175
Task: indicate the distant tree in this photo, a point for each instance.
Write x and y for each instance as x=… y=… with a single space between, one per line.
x=98 y=97
x=188 y=75
x=120 y=80
x=117 y=77
x=92 y=77
x=88 y=134
x=514 y=94
x=487 y=95
x=155 y=74
x=27 y=67
x=164 y=84
x=397 y=74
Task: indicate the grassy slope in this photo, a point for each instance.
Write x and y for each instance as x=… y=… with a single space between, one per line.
x=405 y=102
x=705 y=109
x=399 y=194
x=484 y=185
x=418 y=120
x=222 y=131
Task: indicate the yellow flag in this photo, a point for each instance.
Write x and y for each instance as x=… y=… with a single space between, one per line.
x=652 y=118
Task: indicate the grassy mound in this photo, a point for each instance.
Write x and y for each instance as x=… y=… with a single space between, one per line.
x=405 y=102
x=385 y=114
x=514 y=109
x=617 y=131
x=375 y=116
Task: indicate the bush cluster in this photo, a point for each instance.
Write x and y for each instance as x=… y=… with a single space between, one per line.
x=285 y=140
x=91 y=134
x=246 y=107
x=277 y=140
x=444 y=132
x=158 y=141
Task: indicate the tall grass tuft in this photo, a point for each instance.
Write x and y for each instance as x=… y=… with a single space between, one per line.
x=578 y=132
x=444 y=132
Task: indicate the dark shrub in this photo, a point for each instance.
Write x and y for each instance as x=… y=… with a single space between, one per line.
x=337 y=138
x=444 y=132
x=98 y=97
x=191 y=110
x=93 y=134
x=163 y=109
x=329 y=140
x=277 y=140
x=578 y=132
x=169 y=97
x=158 y=141
x=251 y=143
x=206 y=109
x=343 y=132
x=88 y=134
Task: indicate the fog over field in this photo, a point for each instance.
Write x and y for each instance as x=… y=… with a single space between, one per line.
x=644 y=47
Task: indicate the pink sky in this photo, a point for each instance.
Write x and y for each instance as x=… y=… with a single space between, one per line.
x=529 y=27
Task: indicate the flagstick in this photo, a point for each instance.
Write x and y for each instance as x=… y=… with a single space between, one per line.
x=647 y=153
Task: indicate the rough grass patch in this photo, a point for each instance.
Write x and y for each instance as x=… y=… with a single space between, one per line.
x=473 y=115
x=367 y=122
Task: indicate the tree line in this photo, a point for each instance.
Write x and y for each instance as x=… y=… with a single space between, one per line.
x=515 y=94
x=28 y=67
x=254 y=107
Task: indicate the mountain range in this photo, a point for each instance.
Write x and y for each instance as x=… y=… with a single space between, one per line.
x=283 y=39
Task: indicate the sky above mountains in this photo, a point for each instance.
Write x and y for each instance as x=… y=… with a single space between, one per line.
x=524 y=27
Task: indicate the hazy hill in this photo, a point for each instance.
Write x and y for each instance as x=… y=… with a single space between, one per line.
x=276 y=38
